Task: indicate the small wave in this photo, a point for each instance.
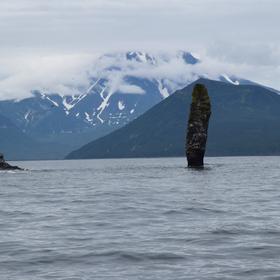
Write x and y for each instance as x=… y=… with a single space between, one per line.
x=24 y=171
x=243 y=231
x=116 y=255
x=271 y=232
x=165 y=256
x=48 y=170
x=136 y=256
x=187 y=210
x=225 y=231
x=173 y=212
x=15 y=213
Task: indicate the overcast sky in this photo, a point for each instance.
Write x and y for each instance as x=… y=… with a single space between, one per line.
x=241 y=33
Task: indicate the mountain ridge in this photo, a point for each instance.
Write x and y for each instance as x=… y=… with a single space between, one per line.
x=121 y=87
x=161 y=130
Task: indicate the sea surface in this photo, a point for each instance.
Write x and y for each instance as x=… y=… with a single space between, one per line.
x=141 y=219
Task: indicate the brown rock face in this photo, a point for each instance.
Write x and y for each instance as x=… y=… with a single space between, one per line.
x=198 y=126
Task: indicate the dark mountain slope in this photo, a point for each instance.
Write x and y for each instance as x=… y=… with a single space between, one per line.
x=16 y=145
x=13 y=143
x=245 y=121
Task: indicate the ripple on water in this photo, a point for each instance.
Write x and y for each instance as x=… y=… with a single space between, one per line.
x=141 y=219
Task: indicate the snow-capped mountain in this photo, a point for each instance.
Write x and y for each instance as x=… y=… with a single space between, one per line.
x=121 y=86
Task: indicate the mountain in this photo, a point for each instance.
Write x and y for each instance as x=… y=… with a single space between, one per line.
x=16 y=145
x=13 y=141
x=116 y=93
x=245 y=121
x=120 y=87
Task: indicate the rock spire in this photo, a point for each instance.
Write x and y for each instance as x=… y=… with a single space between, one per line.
x=198 y=126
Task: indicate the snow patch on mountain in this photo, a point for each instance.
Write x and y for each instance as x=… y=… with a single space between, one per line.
x=44 y=96
x=163 y=90
x=88 y=118
x=121 y=105
x=104 y=104
x=228 y=79
x=68 y=106
x=26 y=115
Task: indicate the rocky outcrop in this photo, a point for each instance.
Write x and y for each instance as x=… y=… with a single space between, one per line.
x=5 y=166
x=198 y=126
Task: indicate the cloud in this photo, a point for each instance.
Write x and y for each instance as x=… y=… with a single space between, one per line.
x=103 y=24
x=74 y=73
x=65 y=74
x=130 y=89
x=53 y=45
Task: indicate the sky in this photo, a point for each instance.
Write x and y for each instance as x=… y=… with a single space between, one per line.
x=48 y=43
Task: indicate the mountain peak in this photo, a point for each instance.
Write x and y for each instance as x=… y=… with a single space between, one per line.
x=139 y=57
x=188 y=57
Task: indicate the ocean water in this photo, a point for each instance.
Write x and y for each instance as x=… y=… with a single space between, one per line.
x=141 y=219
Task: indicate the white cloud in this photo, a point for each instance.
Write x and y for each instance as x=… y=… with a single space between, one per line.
x=130 y=89
x=72 y=73
x=48 y=44
x=64 y=74
x=99 y=24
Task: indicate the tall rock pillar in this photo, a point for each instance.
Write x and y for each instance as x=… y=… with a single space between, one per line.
x=198 y=126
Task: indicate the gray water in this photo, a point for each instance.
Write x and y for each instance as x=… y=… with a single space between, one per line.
x=141 y=219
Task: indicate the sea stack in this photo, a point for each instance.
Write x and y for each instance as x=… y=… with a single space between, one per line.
x=5 y=166
x=198 y=126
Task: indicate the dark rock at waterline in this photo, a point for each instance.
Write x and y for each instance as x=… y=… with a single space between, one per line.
x=6 y=166
x=200 y=113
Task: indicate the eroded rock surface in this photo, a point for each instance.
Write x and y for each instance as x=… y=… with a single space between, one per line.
x=198 y=126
